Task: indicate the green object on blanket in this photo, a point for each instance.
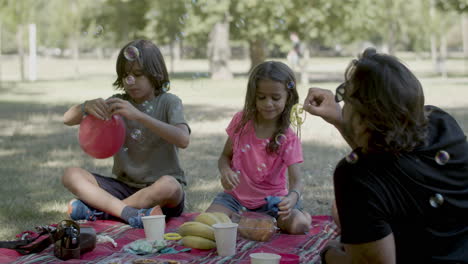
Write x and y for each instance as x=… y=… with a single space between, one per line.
x=170 y=250
x=143 y=247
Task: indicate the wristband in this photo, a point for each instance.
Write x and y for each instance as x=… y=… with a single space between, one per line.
x=297 y=192
x=83 y=111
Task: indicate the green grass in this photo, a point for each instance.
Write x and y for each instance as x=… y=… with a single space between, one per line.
x=35 y=146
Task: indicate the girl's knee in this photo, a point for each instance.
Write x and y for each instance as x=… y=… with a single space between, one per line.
x=300 y=228
x=300 y=225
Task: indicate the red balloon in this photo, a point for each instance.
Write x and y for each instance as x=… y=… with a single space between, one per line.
x=99 y=138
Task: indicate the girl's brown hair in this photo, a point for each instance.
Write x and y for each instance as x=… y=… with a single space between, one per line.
x=273 y=71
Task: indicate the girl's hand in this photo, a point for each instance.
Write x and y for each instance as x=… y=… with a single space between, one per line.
x=229 y=179
x=287 y=205
x=98 y=108
x=124 y=108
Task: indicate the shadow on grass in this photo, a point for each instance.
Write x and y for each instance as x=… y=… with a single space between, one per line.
x=7 y=86
x=196 y=75
x=197 y=113
x=34 y=152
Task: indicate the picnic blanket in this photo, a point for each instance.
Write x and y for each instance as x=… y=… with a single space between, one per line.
x=306 y=246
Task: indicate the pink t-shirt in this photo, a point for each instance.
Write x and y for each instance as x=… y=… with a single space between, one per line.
x=261 y=174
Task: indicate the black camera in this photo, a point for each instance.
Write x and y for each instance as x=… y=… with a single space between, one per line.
x=71 y=240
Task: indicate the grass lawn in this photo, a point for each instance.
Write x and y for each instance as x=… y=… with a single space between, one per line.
x=35 y=146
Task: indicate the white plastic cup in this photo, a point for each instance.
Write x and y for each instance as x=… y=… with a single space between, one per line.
x=154 y=226
x=226 y=238
x=264 y=258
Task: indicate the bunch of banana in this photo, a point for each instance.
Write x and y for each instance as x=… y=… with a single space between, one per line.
x=199 y=233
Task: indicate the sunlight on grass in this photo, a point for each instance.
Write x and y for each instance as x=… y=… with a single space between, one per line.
x=206 y=186
x=53 y=206
x=10 y=152
x=58 y=164
x=201 y=206
x=210 y=127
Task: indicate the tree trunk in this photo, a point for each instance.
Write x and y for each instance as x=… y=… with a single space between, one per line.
x=1 y=30
x=74 y=40
x=304 y=65
x=171 y=55
x=74 y=45
x=443 y=55
x=434 y=56
x=32 y=65
x=99 y=53
x=20 y=41
x=391 y=37
x=465 y=39
x=257 y=52
x=219 y=51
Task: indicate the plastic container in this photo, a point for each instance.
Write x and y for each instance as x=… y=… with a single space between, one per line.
x=256 y=226
x=289 y=258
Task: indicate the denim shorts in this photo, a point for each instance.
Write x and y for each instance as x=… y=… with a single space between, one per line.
x=121 y=191
x=234 y=205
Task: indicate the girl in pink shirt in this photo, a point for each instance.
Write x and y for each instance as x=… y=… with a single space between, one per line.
x=262 y=153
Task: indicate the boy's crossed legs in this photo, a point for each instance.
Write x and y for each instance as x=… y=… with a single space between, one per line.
x=122 y=201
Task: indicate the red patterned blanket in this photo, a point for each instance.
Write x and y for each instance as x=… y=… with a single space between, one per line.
x=306 y=246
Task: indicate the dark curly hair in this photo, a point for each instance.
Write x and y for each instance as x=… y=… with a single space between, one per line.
x=151 y=62
x=273 y=71
x=389 y=101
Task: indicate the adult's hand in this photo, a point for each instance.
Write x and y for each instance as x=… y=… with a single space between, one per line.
x=321 y=102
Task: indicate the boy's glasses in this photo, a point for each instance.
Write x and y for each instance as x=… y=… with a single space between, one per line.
x=340 y=91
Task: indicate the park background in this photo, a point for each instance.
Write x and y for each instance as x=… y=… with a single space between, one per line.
x=57 y=53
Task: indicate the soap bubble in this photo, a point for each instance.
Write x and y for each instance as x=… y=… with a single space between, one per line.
x=437 y=200
x=280 y=139
x=166 y=87
x=352 y=157
x=98 y=31
x=137 y=135
x=131 y=53
x=442 y=157
x=130 y=80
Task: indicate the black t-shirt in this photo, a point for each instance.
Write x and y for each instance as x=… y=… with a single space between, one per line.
x=421 y=197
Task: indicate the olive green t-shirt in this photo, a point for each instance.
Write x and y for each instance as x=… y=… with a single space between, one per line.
x=145 y=156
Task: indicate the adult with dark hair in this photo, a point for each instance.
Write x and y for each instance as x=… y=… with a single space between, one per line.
x=148 y=177
x=402 y=194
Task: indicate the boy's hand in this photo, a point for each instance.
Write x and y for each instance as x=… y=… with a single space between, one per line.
x=98 y=108
x=229 y=179
x=124 y=108
x=287 y=205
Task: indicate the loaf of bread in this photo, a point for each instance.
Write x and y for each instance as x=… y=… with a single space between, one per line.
x=257 y=226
